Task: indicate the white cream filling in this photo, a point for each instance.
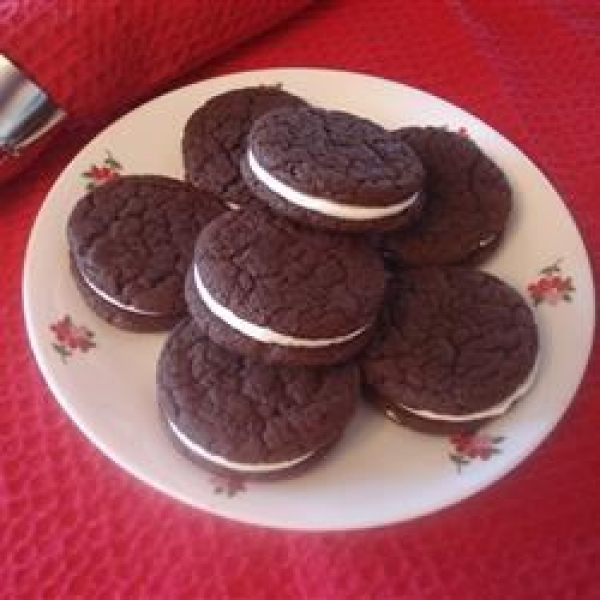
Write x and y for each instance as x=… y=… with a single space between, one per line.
x=114 y=301
x=264 y=334
x=324 y=205
x=235 y=466
x=487 y=241
x=494 y=411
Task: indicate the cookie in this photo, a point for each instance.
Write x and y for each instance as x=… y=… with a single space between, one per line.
x=273 y=291
x=455 y=348
x=131 y=242
x=214 y=139
x=234 y=415
x=332 y=170
x=468 y=203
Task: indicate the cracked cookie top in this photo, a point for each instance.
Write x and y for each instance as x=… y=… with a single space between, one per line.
x=452 y=341
x=468 y=202
x=298 y=282
x=132 y=240
x=249 y=412
x=336 y=156
x=214 y=139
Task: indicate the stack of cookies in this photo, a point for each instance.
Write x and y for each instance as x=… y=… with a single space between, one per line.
x=312 y=259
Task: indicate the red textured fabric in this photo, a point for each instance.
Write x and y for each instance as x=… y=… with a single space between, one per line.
x=97 y=58
x=74 y=525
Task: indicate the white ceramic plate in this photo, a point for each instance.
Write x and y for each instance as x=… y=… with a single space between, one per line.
x=104 y=378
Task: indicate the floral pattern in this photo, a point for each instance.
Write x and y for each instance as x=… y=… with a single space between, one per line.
x=229 y=485
x=473 y=446
x=551 y=287
x=70 y=338
x=97 y=175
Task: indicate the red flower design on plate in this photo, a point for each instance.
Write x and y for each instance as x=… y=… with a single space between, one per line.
x=70 y=337
x=108 y=170
x=230 y=485
x=551 y=288
x=473 y=446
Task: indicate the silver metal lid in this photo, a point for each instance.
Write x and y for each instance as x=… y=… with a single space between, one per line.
x=26 y=111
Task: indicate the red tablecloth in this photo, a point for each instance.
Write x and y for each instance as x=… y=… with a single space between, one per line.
x=72 y=524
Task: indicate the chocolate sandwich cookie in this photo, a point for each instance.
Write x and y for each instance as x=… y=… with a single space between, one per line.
x=131 y=242
x=273 y=291
x=214 y=139
x=468 y=203
x=234 y=415
x=455 y=348
x=332 y=170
